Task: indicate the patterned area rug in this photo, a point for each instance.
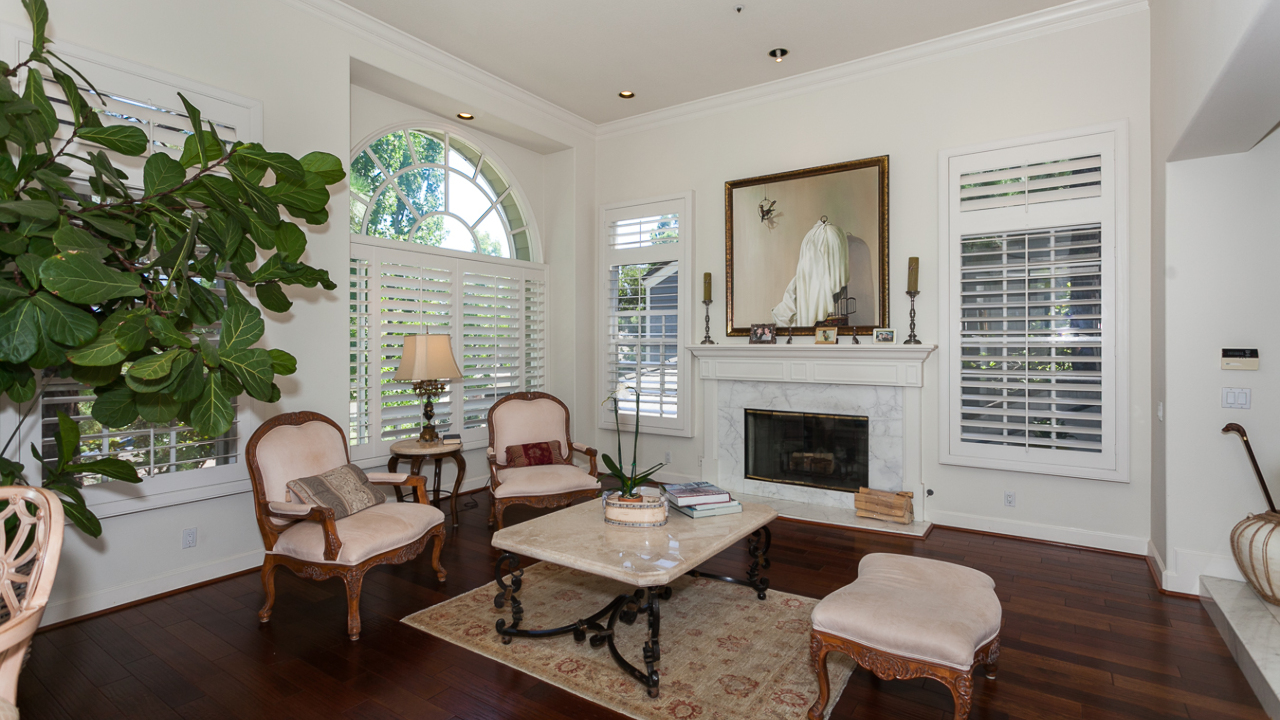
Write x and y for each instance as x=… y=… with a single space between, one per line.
x=725 y=654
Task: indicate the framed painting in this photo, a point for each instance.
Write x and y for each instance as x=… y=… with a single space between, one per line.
x=809 y=248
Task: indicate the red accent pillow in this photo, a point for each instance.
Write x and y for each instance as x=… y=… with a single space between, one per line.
x=530 y=454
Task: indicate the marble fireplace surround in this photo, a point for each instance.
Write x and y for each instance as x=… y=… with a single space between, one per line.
x=881 y=382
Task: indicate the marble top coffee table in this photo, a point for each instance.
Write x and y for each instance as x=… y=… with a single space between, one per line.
x=645 y=558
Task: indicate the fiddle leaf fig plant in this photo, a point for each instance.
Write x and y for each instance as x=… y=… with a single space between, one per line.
x=136 y=286
x=631 y=481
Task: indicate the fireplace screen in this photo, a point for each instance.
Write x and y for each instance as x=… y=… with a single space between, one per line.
x=823 y=451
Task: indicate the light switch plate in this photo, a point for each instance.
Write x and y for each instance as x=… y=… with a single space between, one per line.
x=1237 y=398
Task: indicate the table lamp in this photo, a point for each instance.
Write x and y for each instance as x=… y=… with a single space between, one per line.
x=427 y=361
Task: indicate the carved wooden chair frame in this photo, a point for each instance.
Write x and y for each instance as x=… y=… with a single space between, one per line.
x=352 y=575
x=499 y=505
x=888 y=666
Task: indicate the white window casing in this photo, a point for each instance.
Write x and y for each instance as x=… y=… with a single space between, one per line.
x=494 y=311
x=1034 y=349
x=646 y=315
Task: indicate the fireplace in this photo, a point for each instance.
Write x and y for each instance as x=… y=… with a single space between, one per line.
x=815 y=449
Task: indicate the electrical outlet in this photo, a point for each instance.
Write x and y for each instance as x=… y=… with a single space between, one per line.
x=668 y=461
x=1010 y=498
x=188 y=538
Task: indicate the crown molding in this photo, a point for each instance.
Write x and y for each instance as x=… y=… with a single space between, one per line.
x=370 y=28
x=1023 y=27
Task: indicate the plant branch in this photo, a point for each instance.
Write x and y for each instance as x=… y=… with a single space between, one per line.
x=140 y=201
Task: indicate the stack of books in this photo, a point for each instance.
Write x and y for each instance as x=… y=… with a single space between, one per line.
x=451 y=439
x=700 y=499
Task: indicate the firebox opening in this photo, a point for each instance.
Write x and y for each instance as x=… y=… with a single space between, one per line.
x=815 y=449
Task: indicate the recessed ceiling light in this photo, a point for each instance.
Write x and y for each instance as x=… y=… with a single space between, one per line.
x=626 y=94
x=466 y=116
x=777 y=54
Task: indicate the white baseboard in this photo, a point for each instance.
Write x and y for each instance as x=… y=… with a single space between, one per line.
x=129 y=592
x=1186 y=566
x=1036 y=531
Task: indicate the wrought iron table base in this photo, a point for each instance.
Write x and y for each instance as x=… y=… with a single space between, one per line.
x=626 y=608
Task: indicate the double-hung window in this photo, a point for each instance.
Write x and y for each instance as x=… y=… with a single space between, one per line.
x=646 y=264
x=1033 y=365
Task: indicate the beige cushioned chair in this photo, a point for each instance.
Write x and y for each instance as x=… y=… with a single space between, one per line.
x=306 y=538
x=909 y=617
x=531 y=417
x=40 y=518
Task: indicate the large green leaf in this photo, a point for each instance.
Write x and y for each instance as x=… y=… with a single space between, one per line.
x=242 y=323
x=132 y=335
x=102 y=351
x=68 y=439
x=327 y=167
x=124 y=139
x=212 y=413
x=96 y=376
x=252 y=367
x=193 y=152
x=162 y=173
x=10 y=291
x=160 y=407
x=19 y=332
x=63 y=322
x=70 y=237
x=291 y=241
x=83 y=518
x=38 y=209
x=291 y=193
x=111 y=467
x=265 y=208
x=154 y=367
x=272 y=297
x=43 y=123
x=163 y=329
x=114 y=228
x=29 y=264
x=23 y=389
x=283 y=165
x=115 y=408
x=189 y=382
x=39 y=14
x=282 y=362
x=80 y=278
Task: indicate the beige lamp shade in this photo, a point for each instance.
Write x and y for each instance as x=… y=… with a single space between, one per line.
x=427 y=357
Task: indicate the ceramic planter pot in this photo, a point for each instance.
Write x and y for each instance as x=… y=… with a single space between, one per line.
x=1255 y=542
x=641 y=512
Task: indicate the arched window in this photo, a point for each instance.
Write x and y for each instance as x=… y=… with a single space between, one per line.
x=433 y=188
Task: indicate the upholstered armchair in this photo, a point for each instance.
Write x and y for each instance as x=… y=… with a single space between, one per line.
x=534 y=417
x=30 y=560
x=306 y=538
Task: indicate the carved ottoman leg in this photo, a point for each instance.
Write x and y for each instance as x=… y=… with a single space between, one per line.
x=991 y=670
x=961 y=686
x=268 y=586
x=499 y=507
x=435 y=553
x=818 y=656
x=353 y=579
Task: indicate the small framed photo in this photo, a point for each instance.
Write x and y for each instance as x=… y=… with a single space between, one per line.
x=764 y=334
x=825 y=336
x=884 y=336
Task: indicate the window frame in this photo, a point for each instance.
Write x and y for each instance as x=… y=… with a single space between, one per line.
x=140 y=82
x=487 y=153
x=1111 y=140
x=682 y=252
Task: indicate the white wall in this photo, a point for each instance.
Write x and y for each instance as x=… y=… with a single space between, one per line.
x=1191 y=41
x=910 y=113
x=1222 y=245
x=297 y=65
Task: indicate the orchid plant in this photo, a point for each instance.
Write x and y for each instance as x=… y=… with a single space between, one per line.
x=630 y=482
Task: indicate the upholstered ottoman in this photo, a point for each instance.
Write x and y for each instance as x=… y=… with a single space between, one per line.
x=908 y=617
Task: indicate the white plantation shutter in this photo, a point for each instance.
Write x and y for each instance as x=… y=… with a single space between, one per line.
x=645 y=271
x=491 y=353
x=535 y=334
x=1033 y=362
x=492 y=311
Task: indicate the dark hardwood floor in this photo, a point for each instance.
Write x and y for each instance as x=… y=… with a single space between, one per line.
x=1086 y=635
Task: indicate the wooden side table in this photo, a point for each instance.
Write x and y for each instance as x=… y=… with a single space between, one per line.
x=415 y=451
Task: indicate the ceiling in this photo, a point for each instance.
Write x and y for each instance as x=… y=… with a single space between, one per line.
x=579 y=54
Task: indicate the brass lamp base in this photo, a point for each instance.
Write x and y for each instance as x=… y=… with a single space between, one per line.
x=428 y=390
x=429 y=435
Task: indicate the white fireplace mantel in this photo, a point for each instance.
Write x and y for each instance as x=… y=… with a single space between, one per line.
x=887 y=365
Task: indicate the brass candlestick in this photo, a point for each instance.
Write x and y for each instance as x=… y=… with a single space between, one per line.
x=706 y=336
x=912 y=339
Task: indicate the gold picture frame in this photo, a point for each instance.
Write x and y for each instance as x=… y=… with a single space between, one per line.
x=770 y=229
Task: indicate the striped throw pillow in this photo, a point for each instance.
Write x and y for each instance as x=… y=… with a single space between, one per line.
x=346 y=489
